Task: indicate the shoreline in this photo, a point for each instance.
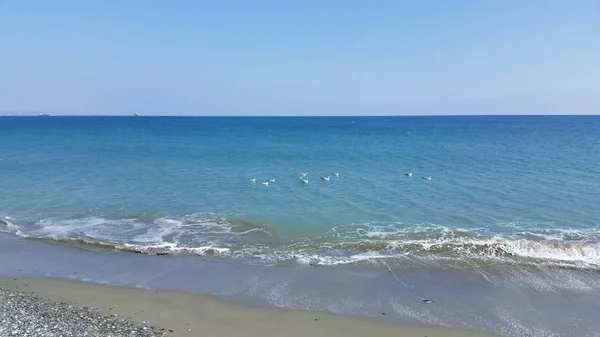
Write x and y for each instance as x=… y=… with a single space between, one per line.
x=184 y=314
x=511 y=302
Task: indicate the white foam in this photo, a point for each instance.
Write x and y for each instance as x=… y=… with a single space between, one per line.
x=174 y=248
x=573 y=247
x=321 y=259
x=572 y=252
x=93 y=227
x=369 y=256
x=159 y=230
x=356 y=243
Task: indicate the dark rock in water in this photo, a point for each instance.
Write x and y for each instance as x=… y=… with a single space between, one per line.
x=502 y=252
x=496 y=250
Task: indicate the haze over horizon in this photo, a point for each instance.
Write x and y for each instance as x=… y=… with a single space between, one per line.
x=310 y=58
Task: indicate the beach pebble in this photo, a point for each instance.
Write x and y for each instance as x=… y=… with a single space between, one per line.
x=27 y=315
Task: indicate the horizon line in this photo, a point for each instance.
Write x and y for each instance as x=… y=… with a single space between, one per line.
x=50 y=114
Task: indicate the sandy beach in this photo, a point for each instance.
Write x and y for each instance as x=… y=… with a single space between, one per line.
x=181 y=314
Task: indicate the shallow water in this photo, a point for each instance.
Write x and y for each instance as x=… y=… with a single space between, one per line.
x=539 y=302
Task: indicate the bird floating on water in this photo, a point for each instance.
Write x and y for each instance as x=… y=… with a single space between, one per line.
x=266 y=183
x=408 y=174
x=253 y=180
x=303 y=174
x=304 y=181
x=337 y=174
x=326 y=179
x=272 y=180
x=427 y=178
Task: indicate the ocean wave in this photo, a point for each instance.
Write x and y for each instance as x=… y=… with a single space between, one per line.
x=497 y=249
x=162 y=249
x=369 y=243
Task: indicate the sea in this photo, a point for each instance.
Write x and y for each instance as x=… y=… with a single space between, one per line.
x=479 y=222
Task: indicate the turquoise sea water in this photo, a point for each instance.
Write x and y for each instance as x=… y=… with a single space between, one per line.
x=504 y=190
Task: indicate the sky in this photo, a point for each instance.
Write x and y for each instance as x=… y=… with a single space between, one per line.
x=268 y=57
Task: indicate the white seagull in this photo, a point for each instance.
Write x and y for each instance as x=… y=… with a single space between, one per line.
x=304 y=181
x=272 y=180
x=408 y=174
x=326 y=179
x=266 y=183
x=427 y=178
x=253 y=180
x=303 y=174
x=336 y=174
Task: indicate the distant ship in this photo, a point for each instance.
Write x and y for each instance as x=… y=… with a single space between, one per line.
x=135 y=114
x=44 y=115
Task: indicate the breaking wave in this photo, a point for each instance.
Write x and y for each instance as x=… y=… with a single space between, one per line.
x=372 y=243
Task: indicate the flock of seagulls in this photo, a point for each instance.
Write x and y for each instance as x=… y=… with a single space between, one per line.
x=302 y=176
x=409 y=174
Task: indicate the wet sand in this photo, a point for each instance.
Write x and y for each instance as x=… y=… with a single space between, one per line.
x=183 y=314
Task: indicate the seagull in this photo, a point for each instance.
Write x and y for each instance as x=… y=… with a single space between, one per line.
x=272 y=180
x=253 y=180
x=427 y=178
x=266 y=183
x=408 y=174
x=336 y=174
x=303 y=174
x=304 y=181
x=326 y=179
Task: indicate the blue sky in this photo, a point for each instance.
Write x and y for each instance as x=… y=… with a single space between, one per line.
x=300 y=57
